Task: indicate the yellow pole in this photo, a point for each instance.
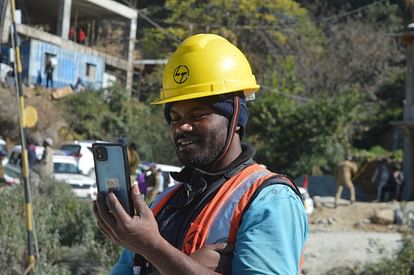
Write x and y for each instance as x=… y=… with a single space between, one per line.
x=25 y=164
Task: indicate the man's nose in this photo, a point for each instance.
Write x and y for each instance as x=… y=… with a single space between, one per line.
x=184 y=127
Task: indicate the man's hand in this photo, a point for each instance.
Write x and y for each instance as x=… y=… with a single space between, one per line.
x=216 y=257
x=138 y=233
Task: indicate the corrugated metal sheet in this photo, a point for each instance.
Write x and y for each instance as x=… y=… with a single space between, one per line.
x=7 y=56
x=70 y=65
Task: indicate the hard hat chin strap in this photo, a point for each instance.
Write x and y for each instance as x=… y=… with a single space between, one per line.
x=231 y=129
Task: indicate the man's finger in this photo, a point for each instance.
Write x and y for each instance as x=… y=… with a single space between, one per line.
x=117 y=210
x=228 y=249
x=104 y=229
x=103 y=211
x=223 y=248
x=140 y=205
x=102 y=226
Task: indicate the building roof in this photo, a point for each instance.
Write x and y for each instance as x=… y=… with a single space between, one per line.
x=46 y=11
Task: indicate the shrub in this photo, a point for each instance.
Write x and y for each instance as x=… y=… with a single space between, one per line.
x=68 y=239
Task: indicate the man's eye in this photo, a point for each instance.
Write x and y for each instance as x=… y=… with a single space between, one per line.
x=175 y=119
x=198 y=116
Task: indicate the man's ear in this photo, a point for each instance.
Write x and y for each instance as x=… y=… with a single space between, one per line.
x=238 y=130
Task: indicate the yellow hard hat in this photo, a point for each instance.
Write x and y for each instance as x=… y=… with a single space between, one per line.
x=206 y=65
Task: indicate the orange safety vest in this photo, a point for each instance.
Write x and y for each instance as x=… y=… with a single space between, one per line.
x=211 y=225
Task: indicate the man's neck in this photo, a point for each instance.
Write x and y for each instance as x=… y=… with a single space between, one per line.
x=247 y=153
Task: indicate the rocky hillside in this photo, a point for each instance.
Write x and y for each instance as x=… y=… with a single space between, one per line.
x=352 y=235
x=50 y=120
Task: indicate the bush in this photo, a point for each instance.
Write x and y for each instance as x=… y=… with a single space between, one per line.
x=68 y=239
x=400 y=264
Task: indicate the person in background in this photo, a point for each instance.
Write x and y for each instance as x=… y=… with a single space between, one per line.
x=39 y=78
x=2 y=179
x=81 y=39
x=228 y=214
x=79 y=85
x=395 y=183
x=344 y=172
x=31 y=151
x=72 y=34
x=153 y=181
x=133 y=161
x=46 y=161
x=49 y=68
x=399 y=181
x=381 y=177
x=2 y=156
x=142 y=184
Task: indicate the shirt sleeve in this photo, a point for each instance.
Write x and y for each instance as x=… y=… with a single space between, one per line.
x=125 y=264
x=272 y=233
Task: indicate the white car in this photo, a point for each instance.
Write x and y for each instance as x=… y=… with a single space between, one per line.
x=307 y=200
x=82 y=151
x=5 y=72
x=3 y=148
x=12 y=169
x=65 y=168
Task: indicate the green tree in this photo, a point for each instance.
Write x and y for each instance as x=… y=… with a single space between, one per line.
x=110 y=114
x=304 y=137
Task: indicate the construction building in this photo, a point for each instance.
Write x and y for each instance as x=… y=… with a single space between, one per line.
x=93 y=40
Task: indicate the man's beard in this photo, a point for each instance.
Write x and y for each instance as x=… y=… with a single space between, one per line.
x=203 y=154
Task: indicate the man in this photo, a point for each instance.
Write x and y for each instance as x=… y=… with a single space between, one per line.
x=381 y=177
x=229 y=214
x=2 y=156
x=153 y=181
x=49 y=68
x=46 y=162
x=344 y=172
x=2 y=178
x=133 y=161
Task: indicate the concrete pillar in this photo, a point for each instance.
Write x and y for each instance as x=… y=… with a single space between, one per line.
x=409 y=117
x=131 y=48
x=5 y=21
x=63 y=23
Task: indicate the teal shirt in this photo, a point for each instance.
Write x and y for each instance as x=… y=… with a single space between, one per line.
x=270 y=238
x=272 y=234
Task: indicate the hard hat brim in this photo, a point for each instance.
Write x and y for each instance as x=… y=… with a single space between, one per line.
x=187 y=96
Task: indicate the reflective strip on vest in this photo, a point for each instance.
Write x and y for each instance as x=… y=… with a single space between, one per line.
x=220 y=226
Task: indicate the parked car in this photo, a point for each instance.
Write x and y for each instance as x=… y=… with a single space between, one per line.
x=82 y=151
x=5 y=72
x=65 y=168
x=11 y=176
x=3 y=148
x=12 y=168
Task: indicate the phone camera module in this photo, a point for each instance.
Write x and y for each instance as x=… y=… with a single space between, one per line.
x=101 y=153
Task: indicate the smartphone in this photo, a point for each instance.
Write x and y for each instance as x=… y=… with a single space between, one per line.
x=112 y=173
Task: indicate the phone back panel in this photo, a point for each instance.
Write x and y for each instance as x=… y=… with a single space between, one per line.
x=112 y=174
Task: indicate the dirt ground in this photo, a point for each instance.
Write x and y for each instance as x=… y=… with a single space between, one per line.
x=346 y=236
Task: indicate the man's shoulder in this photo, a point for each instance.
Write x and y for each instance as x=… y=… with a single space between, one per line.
x=278 y=183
